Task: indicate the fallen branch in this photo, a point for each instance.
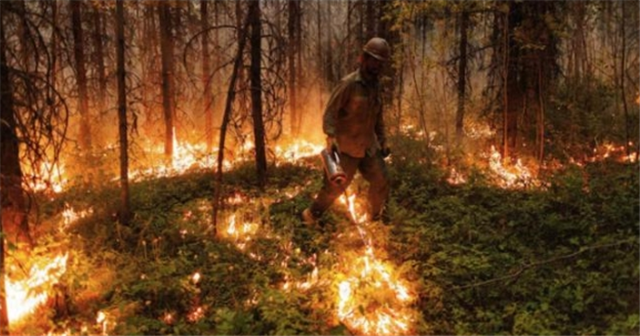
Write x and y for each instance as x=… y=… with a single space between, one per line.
x=514 y=275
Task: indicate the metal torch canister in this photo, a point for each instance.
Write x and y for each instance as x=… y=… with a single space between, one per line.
x=331 y=163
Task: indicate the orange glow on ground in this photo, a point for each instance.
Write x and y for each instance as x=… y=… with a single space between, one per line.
x=24 y=296
x=372 y=298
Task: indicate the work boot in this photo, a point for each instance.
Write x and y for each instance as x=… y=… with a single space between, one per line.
x=308 y=217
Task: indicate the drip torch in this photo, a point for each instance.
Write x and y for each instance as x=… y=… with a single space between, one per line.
x=331 y=163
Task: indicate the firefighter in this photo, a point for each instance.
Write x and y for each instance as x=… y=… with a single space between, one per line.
x=354 y=126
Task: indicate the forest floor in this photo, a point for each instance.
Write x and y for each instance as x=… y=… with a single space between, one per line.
x=560 y=257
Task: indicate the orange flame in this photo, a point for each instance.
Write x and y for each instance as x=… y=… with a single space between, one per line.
x=48 y=177
x=239 y=234
x=510 y=177
x=372 y=298
x=24 y=296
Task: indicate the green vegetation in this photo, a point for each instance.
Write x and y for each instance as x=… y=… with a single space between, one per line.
x=562 y=259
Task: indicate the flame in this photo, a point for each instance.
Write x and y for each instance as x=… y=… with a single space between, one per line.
x=297 y=150
x=455 y=177
x=373 y=300
x=23 y=297
x=70 y=215
x=48 y=177
x=510 y=177
x=239 y=234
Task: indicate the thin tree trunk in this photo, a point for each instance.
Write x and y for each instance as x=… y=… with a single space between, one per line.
x=319 y=51
x=12 y=196
x=291 y=55
x=623 y=69
x=166 y=47
x=370 y=20
x=9 y=155
x=505 y=75
x=299 y=74
x=81 y=76
x=329 y=61
x=125 y=212
x=4 y=314
x=53 y=70
x=99 y=59
x=462 y=75
x=540 y=119
x=256 y=93
x=207 y=97
x=231 y=94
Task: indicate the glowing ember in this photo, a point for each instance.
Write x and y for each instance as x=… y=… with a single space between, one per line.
x=24 y=296
x=239 y=234
x=196 y=314
x=373 y=300
x=196 y=277
x=455 y=177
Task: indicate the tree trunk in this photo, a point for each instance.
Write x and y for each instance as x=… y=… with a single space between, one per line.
x=9 y=156
x=462 y=75
x=12 y=196
x=99 y=59
x=81 y=76
x=4 y=314
x=291 y=55
x=207 y=97
x=231 y=94
x=330 y=75
x=125 y=212
x=370 y=20
x=256 y=93
x=530 y=51
x=623 y=70
x=166 y=50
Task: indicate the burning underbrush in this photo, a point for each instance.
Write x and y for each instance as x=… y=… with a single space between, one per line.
x=260 y=270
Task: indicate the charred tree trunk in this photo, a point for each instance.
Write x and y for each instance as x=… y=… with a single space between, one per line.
x=166 y=50
x=149 y=67
x=99 y=59
x=623 y=71
x=370 y=29
x=207 y=97
x=81 y=75
x=329 y=73
x=291 y=55
x=4 y=314
x=462 y=74
x=53 y=70
x=530 y=65
x=256 y=93
x=125 y=212
x=12 y=196
x=299 y=74
x=231 y=94
x=9 y=147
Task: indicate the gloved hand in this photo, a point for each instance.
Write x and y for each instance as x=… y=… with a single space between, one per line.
x=332 y=144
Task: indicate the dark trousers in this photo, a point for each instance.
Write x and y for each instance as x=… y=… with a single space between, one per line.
x=372 y=169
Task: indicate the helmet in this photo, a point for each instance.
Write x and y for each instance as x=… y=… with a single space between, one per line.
x=378 y=48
